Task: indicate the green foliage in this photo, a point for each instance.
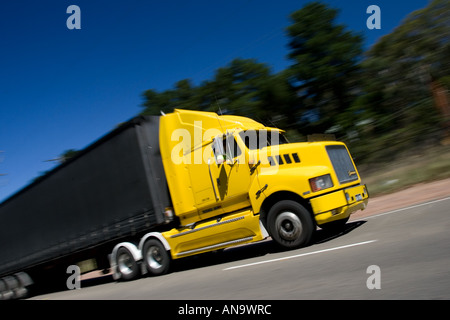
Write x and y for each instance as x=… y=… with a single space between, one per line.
x=244 y=87
x=183 y=96
x=396 y=87
x=325 y=67
x=66 y=155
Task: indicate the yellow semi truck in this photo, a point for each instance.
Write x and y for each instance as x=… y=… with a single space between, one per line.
x=162 y=188
x=233 y=181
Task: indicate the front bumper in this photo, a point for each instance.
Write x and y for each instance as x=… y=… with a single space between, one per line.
x=339 y=204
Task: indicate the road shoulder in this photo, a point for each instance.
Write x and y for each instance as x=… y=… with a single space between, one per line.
x=413 y=195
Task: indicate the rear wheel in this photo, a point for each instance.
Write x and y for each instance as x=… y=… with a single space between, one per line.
x=126 y=264
x=156 y=257
x=290 y=224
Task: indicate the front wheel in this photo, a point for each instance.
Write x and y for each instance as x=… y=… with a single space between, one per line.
x=156 y=257
x=290 y=224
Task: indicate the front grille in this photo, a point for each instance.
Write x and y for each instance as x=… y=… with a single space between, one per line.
x=343 y=165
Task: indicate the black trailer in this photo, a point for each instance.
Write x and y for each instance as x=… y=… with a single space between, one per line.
x=112 y=190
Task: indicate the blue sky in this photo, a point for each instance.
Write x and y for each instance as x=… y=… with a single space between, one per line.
x=63 y=89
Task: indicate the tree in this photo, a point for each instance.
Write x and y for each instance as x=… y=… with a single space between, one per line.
x=183 y=96
x=404 y=80
x=326 y=58
x=67 y=155
x=63 y=157
x=237 y=88
x=243 y=87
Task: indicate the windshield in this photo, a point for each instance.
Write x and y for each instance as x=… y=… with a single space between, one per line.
x=258 y=139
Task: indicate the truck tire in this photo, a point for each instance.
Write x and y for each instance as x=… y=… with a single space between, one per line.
x=156 y=258
x=5 y=292
x=290 y=224
x=126 y=264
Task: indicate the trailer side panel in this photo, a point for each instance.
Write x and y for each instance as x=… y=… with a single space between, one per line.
x=104 y=193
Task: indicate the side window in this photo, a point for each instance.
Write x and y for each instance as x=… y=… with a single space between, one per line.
x=225 y=149
x=258 y=139
x=219 y=150
x=232 y=148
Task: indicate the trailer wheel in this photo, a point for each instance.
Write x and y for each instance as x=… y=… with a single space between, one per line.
x=156 y=257
x=290 y=224
x=126 y=264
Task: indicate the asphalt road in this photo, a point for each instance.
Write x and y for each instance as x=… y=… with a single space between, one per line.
x=402 y=254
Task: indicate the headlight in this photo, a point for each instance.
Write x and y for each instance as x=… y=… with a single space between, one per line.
x=321 y=183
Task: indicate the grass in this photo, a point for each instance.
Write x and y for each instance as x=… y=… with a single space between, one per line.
x=426 y=165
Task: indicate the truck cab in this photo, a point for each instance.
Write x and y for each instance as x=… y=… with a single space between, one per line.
x=219 y=167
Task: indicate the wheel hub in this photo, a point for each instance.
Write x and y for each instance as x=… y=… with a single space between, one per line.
x=154 y=257
x=125 y=264
x=288 y=226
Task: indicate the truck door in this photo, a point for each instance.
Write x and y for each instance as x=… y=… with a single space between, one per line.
x=203 y=186
x=229 y=174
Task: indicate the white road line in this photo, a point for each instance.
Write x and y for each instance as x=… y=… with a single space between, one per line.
x=300 y=255
x=402 y=209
